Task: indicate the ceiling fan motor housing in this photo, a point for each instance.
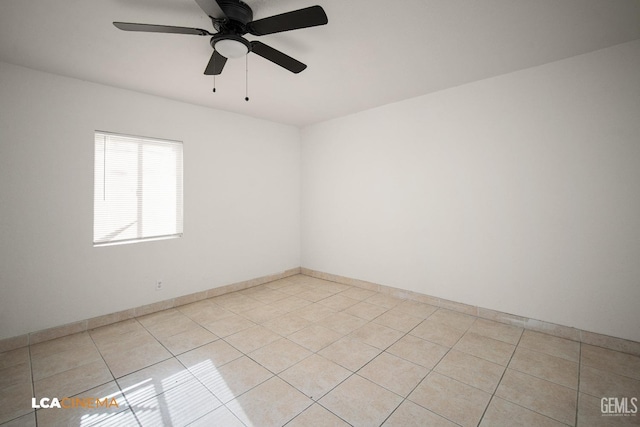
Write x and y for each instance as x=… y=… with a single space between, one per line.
x=229 y=41
x=238 y=13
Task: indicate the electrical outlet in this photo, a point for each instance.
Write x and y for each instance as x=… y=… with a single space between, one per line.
x=159 y=285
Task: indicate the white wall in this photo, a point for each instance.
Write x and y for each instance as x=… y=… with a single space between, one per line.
x=517 y=193
x=520 y=193
x=241 y=195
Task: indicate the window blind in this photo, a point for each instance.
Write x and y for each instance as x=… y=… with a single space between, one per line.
x=137 y=189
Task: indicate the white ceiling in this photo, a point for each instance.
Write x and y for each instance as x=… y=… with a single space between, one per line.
x=371 y=53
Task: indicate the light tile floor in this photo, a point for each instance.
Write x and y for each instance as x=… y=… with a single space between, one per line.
x=306 y=352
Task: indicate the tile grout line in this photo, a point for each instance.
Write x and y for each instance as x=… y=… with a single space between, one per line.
x=114 y=380
x=517 y=404
x=33 y=383
x=79 y=392
x=194 y=376
x=352 y=373
x=544 y=379
x=440 y=360
x=313 y=401
x=437 y=363
x=405 y=398
x=153 y=364
x=493 y=395
x=383 y=351
x=578 y=386
x=222 y=404
x=243 y=354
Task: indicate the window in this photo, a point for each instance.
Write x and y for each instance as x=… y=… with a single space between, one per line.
x=137 y=189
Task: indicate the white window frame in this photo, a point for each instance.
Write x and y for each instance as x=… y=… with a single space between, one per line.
x=146 y=199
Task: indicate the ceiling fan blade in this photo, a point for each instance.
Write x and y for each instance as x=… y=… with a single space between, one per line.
x=150 y=28
x=216 y=64
x=302 y=18
x=211 y=8
x=277 y=57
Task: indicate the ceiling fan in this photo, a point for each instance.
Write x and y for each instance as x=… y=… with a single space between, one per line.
x=232 y=19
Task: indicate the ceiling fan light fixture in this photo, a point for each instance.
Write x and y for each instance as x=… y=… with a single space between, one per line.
x=232 y=48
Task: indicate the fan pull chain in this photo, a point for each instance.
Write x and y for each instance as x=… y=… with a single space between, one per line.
x=214 y=75
x=246 y=81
